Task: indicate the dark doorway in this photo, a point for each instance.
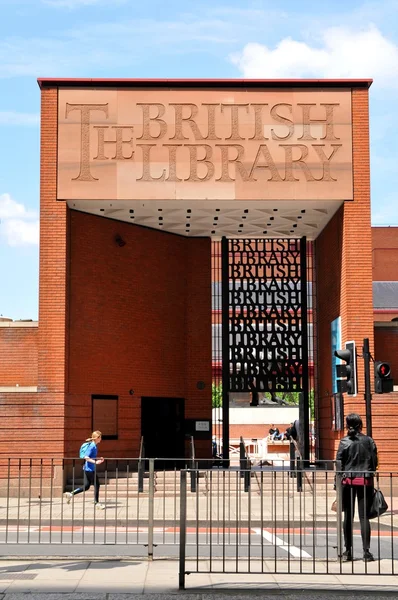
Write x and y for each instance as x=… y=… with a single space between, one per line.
x=162 y=426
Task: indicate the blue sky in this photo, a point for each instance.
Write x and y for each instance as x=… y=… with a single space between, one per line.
x=130 y=38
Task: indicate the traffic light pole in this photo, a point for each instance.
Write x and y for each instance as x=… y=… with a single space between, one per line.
x=368 y=394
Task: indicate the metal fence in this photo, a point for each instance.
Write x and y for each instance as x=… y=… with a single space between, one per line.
x=139 y=503
x=269 y=519
x=283 y=524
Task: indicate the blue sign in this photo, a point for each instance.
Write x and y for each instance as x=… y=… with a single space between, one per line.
x=335 y=330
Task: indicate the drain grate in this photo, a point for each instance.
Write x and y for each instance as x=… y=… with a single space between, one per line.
x=14 y=575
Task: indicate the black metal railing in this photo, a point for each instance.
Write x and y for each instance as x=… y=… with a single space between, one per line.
x=277 y=528
x=245 y=464
x=193 y=465
x=141 y=466
x=261 y=522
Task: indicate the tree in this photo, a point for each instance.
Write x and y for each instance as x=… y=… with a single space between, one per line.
x=216 y=394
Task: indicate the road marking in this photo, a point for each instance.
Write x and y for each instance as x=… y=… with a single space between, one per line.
x=270 y=537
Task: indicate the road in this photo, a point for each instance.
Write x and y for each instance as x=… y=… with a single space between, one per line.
x=306 y=547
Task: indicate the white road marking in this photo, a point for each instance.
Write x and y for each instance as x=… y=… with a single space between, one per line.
x=294 y=551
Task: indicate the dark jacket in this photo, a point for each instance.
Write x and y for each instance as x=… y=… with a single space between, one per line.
x=358 y=455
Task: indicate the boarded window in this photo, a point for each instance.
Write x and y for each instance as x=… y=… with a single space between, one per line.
x=105 y=416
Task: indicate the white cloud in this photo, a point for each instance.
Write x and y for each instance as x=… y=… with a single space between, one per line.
x=15 y=118
x=342 y=53
x=20 y=233
x=18 y=226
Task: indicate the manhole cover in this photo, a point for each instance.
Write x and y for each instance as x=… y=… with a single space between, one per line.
x=17 y=575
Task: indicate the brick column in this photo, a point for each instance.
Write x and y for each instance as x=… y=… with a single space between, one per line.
x=344 y=275
x=356 y=300
x=53 y=281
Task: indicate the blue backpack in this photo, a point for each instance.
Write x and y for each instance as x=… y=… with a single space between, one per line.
x=83 y=449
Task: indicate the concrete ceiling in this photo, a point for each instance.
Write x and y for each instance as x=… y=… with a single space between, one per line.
x=198 y=218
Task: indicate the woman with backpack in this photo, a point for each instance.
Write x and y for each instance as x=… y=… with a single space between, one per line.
x=89 y=451
x=358 y=455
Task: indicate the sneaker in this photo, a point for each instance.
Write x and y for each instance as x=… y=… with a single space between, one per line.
x=347 y=556
x=99 y=506
x=368 y=556
x=68 y=497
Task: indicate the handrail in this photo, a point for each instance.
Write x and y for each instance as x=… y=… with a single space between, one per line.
x=193 y=464
x=300 y=456
x=245 y=464
x=192 y=448
x=142 y=448
x=141 y=466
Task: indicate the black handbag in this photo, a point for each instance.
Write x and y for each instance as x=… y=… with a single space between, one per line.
x=378 y=506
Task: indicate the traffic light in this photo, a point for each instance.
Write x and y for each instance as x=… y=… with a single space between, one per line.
x=347 y=373
x=383 y=382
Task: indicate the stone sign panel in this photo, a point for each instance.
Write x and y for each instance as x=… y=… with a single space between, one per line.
x=203 y=144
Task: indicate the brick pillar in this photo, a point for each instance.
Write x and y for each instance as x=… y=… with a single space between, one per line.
x=198 y=336
x=344 y=275
x=356 y=300
x=53 y=281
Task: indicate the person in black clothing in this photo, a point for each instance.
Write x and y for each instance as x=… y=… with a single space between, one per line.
x=274 y=433
x=358 y=455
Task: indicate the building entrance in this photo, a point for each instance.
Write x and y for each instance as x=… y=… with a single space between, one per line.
x=265 y=337
x=162 y=427
x=138 y=180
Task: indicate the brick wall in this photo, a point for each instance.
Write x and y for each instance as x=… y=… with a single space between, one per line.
x=344 y=270
x=386 y=348
x=385 y=253
x=356 y=292
x=385 y=406
x=328 y=255
x=53 y=279
x=32 y=424
x=18 y=351
x=140 y=318
x=257 y=431
x=385 y=418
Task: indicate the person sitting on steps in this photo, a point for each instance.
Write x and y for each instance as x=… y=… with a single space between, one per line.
x=274 y=433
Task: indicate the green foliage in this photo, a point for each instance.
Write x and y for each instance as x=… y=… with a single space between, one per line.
x=216 y=395
x=292 y=398
x=311 y=401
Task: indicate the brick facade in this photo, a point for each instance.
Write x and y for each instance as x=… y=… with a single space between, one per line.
x=53 y=281
x=386 y=347
x=44 y=410
x=328 y=256
x=384 y=254
x=97 y=334
x=139 y=319
x=344 y=272
x=18 y=351
x=139 y=316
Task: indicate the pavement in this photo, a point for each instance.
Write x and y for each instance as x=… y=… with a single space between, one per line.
x=124 y=579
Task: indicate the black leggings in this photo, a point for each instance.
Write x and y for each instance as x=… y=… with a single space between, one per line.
x=364 y=495
x=90 y=478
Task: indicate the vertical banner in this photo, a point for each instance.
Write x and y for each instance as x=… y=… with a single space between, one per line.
x=335 y=330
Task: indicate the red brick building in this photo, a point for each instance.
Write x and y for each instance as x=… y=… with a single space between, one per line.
x=133 y=176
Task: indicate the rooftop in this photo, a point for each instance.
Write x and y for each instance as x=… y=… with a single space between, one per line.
x=112 y=82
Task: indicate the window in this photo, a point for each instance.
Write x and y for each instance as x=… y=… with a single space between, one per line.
x=104 y=412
